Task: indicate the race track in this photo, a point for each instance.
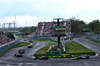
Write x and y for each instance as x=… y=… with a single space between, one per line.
x=8 y=58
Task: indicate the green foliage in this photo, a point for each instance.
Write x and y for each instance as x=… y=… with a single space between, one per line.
x=85 y=37
x=94 y=26
x=74 y=47
x=10 y=35
x=76 y=26
x=71 y=47
x=42 y=40
x=21 y=44
x=28 y=29
x=32 y=29
x=94 y=40
x=71 y=38
x=44 y=49
x=96 y=30
x=1 y=33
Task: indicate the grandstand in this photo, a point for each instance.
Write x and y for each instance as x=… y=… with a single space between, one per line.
x=44 y=28
x=4 y=40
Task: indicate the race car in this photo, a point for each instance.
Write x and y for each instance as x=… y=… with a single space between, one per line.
x=31 y=41
x=41 y=58
x=21 y=51
x=25 y=40
x=30 y=46
x=18 y=55
x=82 y=57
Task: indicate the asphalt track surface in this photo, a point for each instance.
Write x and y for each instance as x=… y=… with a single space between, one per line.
x=89 y=44
x=8 y=58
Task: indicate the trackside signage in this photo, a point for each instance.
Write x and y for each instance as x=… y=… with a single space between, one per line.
x=58 y=26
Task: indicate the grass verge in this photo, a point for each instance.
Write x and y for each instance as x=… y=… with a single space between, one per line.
x=44 y=49
x=85 y=37
x=44 y=40
x=41 y=40
x=71 y=47
x=21 y=44
x=74 y=47
x=94 y=40
x=71 y=38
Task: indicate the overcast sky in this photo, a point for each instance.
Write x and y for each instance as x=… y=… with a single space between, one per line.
x=31 y=12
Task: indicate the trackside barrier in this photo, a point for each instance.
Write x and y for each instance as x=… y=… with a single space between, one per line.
x=64 y=55
x=9 y=46
x=93 y=39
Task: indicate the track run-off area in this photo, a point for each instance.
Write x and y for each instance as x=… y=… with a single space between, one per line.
x=8 y=58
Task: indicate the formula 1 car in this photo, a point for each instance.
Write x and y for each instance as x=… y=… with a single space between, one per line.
x=82 y=57
x=42 y=58
x=30 y=46
x=18 y=55
x=21 y=51
x=31 y=41
x=25 y=40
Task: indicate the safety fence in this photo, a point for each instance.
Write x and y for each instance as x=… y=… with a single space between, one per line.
x=8 y=46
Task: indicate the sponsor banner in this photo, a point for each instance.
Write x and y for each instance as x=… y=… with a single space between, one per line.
x=60 y=29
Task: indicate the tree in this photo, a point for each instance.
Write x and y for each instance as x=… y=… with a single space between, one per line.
x=28 y=29
x=76 y=26
x=32 y=29
x=96 y=30
x=1 y=33
x=10 y=35
x=94 y=26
